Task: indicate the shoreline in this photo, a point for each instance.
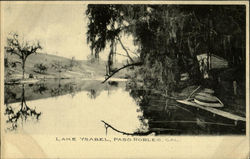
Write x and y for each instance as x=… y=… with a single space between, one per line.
x=35 y=80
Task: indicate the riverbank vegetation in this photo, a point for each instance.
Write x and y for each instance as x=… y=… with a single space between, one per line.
x=169 y=38
x=42 y=66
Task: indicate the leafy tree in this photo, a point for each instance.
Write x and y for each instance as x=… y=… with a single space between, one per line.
x=41 y=68
x=154 y=29
x=168 y=37
x=105 y=26
x=22 y=49
x=72 y=63
x=58 y=66
x=223 y=28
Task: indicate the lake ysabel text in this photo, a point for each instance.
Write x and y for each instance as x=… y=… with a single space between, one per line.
x=114 y=139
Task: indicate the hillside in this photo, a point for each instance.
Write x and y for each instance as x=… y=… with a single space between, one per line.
x=57 y=67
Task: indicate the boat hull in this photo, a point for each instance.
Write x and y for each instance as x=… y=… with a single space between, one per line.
x=218 y=105
x=212 y=110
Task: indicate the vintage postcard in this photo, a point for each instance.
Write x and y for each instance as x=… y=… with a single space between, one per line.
x=124 y=79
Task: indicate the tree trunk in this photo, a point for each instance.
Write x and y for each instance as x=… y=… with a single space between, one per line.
x=23 y=67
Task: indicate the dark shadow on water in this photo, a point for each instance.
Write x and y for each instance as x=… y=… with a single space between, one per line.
x=113 y=83
x=167 y=117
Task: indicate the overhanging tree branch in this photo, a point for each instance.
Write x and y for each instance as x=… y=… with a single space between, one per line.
x=149 y=132
x=133 y=52
x=121 y=54
x=118 y=38
x=125 y=66
x=125 y=133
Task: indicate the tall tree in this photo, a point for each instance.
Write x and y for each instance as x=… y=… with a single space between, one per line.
x=22 y=49
x=154 y=28
x=168 y=36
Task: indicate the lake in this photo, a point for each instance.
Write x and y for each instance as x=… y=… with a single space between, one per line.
x=87 y=107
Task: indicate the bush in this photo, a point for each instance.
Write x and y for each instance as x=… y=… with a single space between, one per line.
x=31 y=75
x=40 y=68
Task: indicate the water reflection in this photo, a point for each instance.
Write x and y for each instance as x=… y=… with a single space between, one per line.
x=92 y=108
x=92 y=94
x=80 y=114
x=39 y=88
x=69 y=88
x=166 y=116
x=48 y=88
x=20 y=114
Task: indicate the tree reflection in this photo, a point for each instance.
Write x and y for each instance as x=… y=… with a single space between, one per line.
x=9 y=94
x=24 y=113
x=164 y=115
x=68 y=88
x=40 y=88
x=157 y=110
x=92 y=94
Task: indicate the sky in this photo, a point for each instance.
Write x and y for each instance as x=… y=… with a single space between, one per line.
x=60 y=28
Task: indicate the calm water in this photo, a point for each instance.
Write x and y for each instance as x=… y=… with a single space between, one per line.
x=79 y=107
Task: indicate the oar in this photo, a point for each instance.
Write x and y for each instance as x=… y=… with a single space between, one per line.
x=193 y=92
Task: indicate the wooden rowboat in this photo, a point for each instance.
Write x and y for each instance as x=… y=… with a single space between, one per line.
x=207 y=90
x=217 y=104
x=216 y=111
x=207 y=100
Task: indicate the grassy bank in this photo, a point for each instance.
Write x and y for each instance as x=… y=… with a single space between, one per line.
x=56 y=68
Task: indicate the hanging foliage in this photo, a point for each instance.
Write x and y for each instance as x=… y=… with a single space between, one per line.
x=169 y=37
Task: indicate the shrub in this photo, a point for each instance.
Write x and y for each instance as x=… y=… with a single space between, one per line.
x=40 y=68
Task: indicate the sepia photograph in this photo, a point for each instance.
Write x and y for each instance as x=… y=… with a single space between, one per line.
x=99 y=70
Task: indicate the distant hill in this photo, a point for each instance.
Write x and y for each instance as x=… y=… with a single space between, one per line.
x=80 y=68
